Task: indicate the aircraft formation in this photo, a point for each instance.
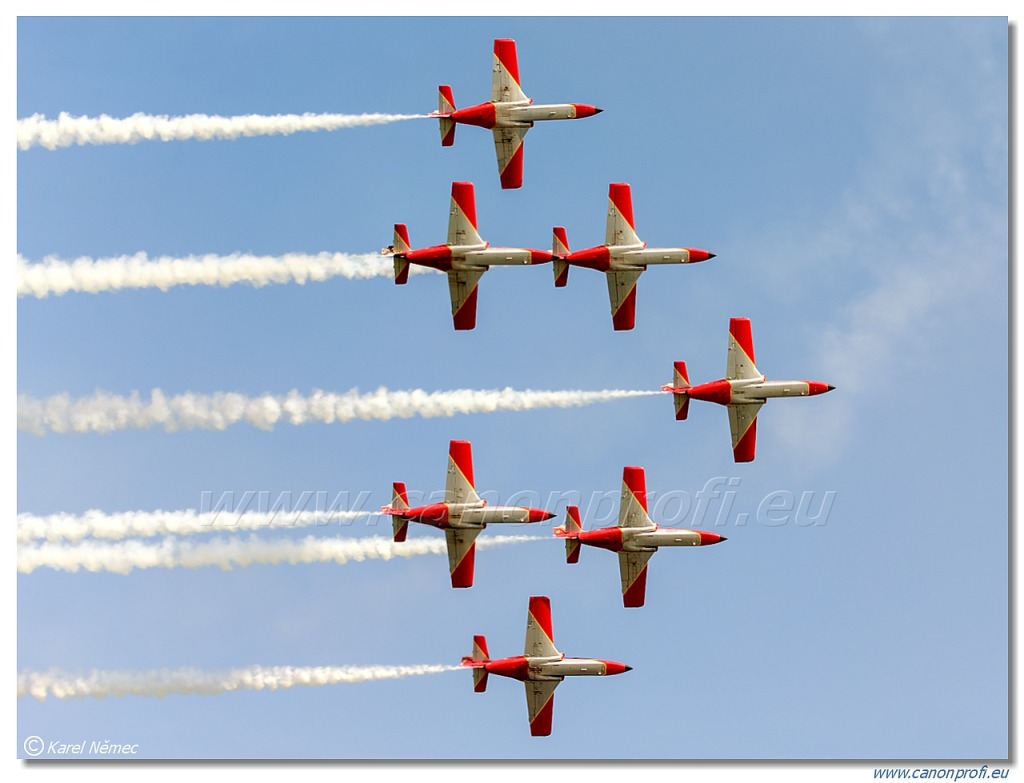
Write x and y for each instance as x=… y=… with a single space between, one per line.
x=623 y=257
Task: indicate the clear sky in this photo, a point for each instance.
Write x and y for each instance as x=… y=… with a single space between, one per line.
x=850 y=174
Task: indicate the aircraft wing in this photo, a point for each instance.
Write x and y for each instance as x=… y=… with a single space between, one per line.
x=508 y=143
x=740 y=363
x=620 y=228
x=505 y=77
x=633 y=503
x=462 y=286
x=633 y=571
x=462 y=216
x=743 y=424
x=461 y=554
x=622 y=293
x=540 y=702
x=459 y=485
x=540 y=639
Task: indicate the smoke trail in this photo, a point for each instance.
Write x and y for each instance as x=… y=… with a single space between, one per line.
x=125 y=556
x=103 y=412
x=58 y=276
x=146 y=524
x=163 y=682
x=67 y=130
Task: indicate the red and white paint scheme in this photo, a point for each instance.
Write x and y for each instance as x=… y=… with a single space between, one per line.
x=461 y=515
x=541 y=666
x=509 y=113
x=464 y=257
x=623 y=257
x=743 y=390
x=635 y=539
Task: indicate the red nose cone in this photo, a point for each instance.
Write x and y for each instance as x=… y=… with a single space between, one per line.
x=817 y=387
x=539 y=515
x=710 y=538
x=586 y=110
x=696 y=254
x=614 y=667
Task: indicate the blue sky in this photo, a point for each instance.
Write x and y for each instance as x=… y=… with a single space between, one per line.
x=851 y=175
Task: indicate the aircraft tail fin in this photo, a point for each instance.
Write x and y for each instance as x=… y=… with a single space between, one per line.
x=446 y=106
x=570 y=531
x=681 y=380
x=560 y=249
x=399 y=502
x=401 y=247
x=478 y=661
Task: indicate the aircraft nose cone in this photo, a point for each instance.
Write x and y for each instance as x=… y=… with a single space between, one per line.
x=628 y=669
x=830 y=388
x=540 y=515
x=597 y=110
x=707 y=538
x=712 y=255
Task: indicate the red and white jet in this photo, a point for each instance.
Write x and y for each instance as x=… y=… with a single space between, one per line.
x=541 y=666
x=509 y=113
x=743 y=390
x=635 y=539
x=623 y=257
x=461 y=515
x=465 y=256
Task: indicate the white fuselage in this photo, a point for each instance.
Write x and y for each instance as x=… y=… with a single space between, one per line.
x=557 y=667
x=759 y=390
x=524 y=113
x=640 y=256
x=482 y=256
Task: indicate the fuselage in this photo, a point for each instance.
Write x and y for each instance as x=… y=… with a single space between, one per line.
x=751 y=390
x=610 y=258
x=518 y=114
x=447 y=258
x=555 y=667
x=470 y=515
x=640 y=539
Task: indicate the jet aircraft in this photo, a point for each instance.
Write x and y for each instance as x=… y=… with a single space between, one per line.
x=743 y=390
x=635 y=539
x=509 y=113
x=623 y=257
x=461 y=515
x=464 y=257
x=541 y=666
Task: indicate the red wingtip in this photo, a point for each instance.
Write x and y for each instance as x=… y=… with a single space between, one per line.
x=741 y=332
x=462 y=575
x=624 y=318
x=744 y=450
x=465 y=199
x=634 y=595
x=636 y=482
x=505 y=51
x=465 y=317
x=540 y=609
x=461 y=453
x=512 y=174
x=621 y=196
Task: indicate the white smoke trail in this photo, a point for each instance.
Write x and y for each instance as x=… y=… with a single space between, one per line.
x=103 y=412
x=164 y=682
x=125 y=556
x=147 y=524
x=58 y=276
x=67 y=130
